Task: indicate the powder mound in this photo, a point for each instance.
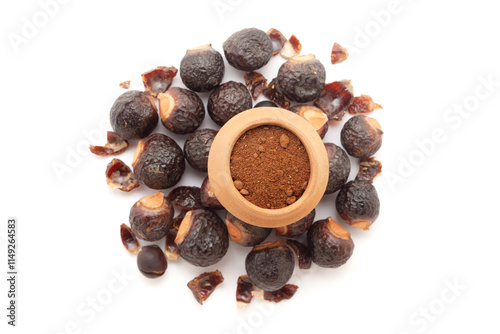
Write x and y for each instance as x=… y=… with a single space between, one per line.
x=270 y=166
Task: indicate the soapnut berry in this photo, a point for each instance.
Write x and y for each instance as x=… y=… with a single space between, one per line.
x=228 y=100
x=301 y=78
x=151 y=217
x=158 y=162
x=358 y=203
x=339 y=167
x=297 y=228
x=245 y=234
x=248 y=49
x=202 y=238
x=208 y=198
x=314 y=116
x=361 y=136
x=202 y=68
x=181 y=110
x=197 y=148
x=329 y=243
x=335 y=99
x=134 y=115
x=270 y=265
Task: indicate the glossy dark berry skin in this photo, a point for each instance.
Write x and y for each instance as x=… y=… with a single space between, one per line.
x=160 y=164
x=134 y=115
x=358 y=202
x=205 y=241
x=202 y=69
x=197 y=148
x=151 y=261
x=228 y=100
x=266 y=104
x=245 y=234
x=248 y=49
x=185 y=198
x=270 y=265
x=339 y=167
x=151 y=224
x=297 y=228
x=327 y=249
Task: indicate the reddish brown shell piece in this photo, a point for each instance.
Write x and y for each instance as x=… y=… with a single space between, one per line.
x=246 y=290
x=120 y=176
x=339 y=54
x=114 y=146
x=129 y=240
x=256 y=83
x=291 y=48
x=159 y=80
x=273 y=94
x=369 y=169
x=363 y=105
x=277 y=40
x=203 y=285
x=125 y=84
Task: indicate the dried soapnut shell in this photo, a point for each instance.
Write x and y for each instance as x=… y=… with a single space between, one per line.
x=208 y=198
x=203 y=285
x=129 y=240
x=120 y=176
x=185 y=198
x=297 y=228
x=270 y=265
x=134 y=115
x=151 y=217
x=248 y=49
x=358 y=204
x=228 y=100
x=114 y=146
x=315 y=116
x=245 y=234
x=202 y=238
x=181 y=110
x=158 y=162
x=329 y=243
x=197 y=148
x=301 y=78
x=202 y=68
x=335 y=98
x=361 y=136
x=339 y=167
x=159 y=80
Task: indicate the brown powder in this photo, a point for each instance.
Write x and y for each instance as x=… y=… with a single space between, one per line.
x=270 y=167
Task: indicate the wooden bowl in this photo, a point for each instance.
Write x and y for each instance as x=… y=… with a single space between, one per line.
x=222 y=183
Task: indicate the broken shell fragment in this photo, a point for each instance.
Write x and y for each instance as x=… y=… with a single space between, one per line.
x=291 y=48
x=114 y=146
x=129 y=240
x=339 y=54
x=203 y=285
x=159 y=80
x=120 y=176
x=335 y=98
x=363 y=105
x=369 y=169
x=314 y=116
x=277 y=40
x=256 y=83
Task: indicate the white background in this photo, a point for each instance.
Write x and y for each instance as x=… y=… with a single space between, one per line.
x=438 y=225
